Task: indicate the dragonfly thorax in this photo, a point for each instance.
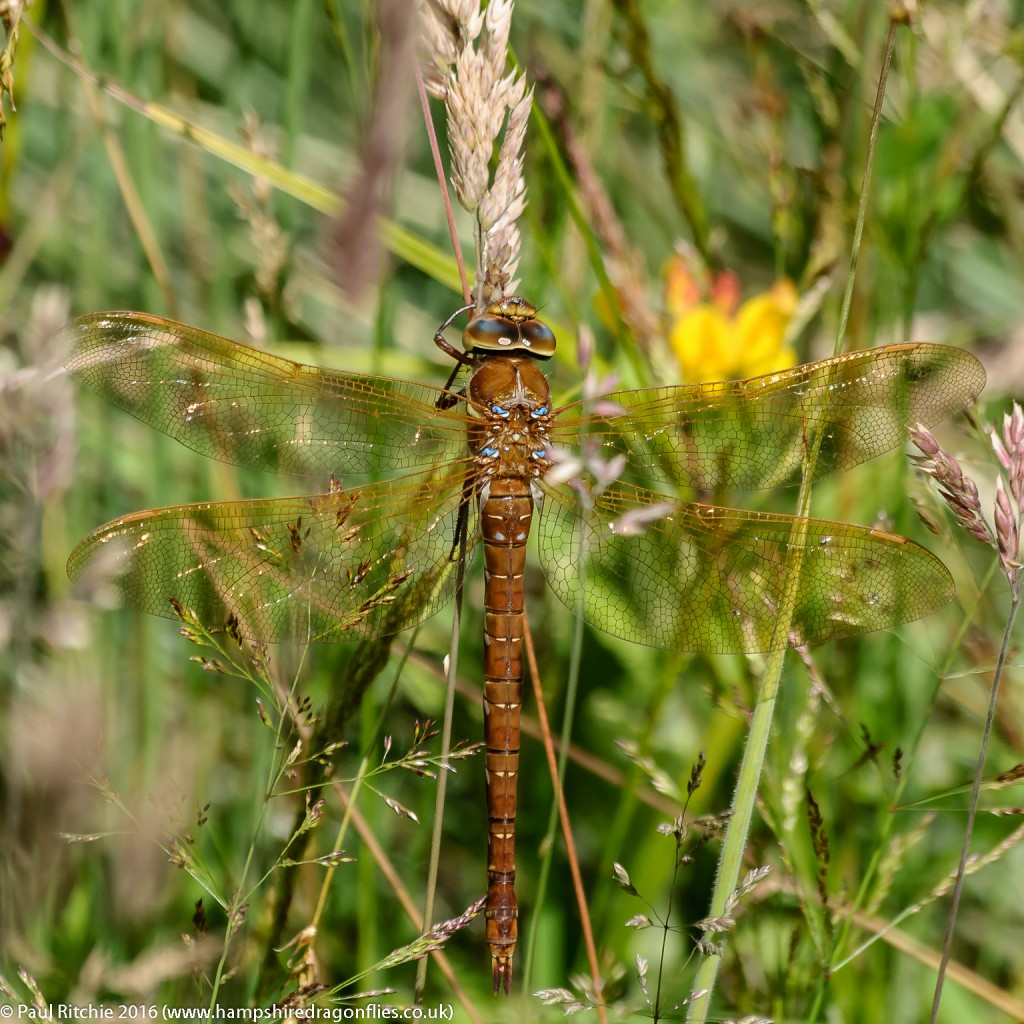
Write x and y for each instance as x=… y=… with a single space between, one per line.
x=513 y=403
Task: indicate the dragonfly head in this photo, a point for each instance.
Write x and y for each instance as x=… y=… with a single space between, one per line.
x=507 y=325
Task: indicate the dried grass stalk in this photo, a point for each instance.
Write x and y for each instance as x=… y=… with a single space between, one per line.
x=465 y=60
x=960 y=492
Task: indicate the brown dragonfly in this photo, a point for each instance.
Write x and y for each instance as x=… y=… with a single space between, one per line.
x=455 y=467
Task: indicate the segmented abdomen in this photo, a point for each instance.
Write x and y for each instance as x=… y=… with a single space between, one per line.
x=505 y=525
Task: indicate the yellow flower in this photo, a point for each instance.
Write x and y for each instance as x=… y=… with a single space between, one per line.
x=715 y=340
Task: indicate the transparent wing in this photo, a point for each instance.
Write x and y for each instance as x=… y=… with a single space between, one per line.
x=244 y=406
x=710 y=579
x=350 y=564
x=755 y=433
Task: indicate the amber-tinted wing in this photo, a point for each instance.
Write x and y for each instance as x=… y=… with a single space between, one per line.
x=247 y=407
x=355 y=563
x=755 y=433
x=710 y=579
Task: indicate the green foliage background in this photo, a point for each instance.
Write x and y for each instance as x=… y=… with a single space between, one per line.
x=112 y=204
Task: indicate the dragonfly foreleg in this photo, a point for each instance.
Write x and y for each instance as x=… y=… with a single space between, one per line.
x=461 y=358
x=462 y=520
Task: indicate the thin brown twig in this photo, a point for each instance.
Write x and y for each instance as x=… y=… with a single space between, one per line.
x=1007 y=1002
x=387 y=869
x=598 y=768
x=563 y=815
x=442 y=181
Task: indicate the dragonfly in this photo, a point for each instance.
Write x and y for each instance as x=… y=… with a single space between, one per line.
x=452 y=468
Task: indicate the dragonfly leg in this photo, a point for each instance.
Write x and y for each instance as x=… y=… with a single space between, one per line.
x=462 y=520
x=461 y=358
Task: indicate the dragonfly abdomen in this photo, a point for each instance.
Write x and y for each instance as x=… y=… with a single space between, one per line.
x=505 y=517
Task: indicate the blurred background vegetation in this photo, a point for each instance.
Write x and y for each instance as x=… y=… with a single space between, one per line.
x=732 y=135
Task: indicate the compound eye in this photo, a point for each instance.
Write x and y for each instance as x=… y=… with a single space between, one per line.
x=538 y=337
x=490 y=333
